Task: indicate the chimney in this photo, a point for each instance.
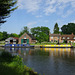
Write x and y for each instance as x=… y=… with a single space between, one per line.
x=72 y=34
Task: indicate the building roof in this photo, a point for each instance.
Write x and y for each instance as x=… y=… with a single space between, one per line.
x=15 y=38
x=71 y=36
x=31 y=36
x=11 y=38
x=55 y=35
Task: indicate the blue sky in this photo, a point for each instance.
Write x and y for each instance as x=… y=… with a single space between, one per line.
x=33 y=13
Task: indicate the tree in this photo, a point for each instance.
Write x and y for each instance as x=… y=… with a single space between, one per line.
x=56 y=29
x=35 y=31
x=45 y=30
x=5 y=35
x=1 y=36
x=6 y=7
x=42 y=37
x=41 y=33
x=25 y=29
x=68 y=29
x=13 y=35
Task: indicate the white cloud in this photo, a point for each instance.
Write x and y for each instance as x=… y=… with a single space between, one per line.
x=67 y=13
x=50 y=9
x=29 y=5
x=58 y=5
x=48 y=6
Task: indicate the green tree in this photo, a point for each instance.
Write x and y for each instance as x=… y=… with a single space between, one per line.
x=25 y=29
x=46 y=30
x=1 y=36
x=42 y=37
x=56 y=29
x=13 y=35
x=5 y=35
x=68 y=29
x=35 y=31
x=6 y=7
x=41 y=33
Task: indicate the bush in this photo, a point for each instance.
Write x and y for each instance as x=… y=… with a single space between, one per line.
x=6 y=56
x=14 y=65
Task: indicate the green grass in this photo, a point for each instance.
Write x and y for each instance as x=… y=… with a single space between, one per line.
x=13 y=65
x=2 y=42
x=47 y=43
x=73 y=44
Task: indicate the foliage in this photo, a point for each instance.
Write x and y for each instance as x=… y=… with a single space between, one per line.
x=42 y=37
x=6 y=7
x=45 y=30
x=1 y=36
x=56 y=29
x=68 y=29
x=25 y=29
x=41 y=33
x=4 y=35
x=6 y=57
x=13 y=35
x=15 y=66
x=60 y=32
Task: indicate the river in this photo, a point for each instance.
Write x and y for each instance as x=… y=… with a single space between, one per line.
x=47 y=61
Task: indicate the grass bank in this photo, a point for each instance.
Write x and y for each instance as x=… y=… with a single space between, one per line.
x=48 y=43
x=13 y=65
x=2 y=42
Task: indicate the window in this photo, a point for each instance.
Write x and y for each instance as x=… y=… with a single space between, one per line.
x=51 y=40
x=24 y=41
x=67 y=37
x=54 y=40
x=24 y=37
x=51 y=37
x=63 y=37
x=74 y=38
x=58 y=37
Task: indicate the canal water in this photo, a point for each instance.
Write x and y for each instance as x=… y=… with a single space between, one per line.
x=47 y=61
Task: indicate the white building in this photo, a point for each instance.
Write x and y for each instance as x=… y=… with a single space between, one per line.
x=11 y=40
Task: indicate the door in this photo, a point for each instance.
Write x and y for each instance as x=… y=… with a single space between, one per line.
x=27 y=41
x=21 y=41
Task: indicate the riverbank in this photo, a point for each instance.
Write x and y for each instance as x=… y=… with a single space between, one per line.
x=48 y=43
x=13 y=65
x=38 y=45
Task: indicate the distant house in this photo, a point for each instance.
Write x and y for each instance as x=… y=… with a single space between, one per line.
x=62 y=38
x=27 y=39
x=55 y=38
x=11 y=40
x=68 y=38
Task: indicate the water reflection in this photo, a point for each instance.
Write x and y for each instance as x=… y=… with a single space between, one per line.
x=48 y=61
x=18 y=51
x=58 y=52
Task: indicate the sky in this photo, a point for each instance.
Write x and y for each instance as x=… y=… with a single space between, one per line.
x=33 y=13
